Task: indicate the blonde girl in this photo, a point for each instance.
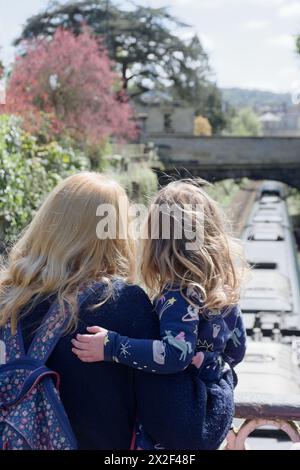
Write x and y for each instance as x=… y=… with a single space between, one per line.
x=65 y=255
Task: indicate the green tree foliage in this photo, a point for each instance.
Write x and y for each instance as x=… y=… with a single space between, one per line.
x=145 y=44
x=209 y=103
x=245 y=123
x=197 y=88
x=139 y=40
x=28 y=171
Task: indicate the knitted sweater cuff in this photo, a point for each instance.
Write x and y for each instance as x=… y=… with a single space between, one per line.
x=110 y=346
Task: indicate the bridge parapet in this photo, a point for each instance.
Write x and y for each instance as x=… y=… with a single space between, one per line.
x=217 y=158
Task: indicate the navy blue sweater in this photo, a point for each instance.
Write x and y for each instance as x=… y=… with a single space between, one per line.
x=103 y=400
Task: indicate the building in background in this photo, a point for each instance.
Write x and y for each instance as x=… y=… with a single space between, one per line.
x=281 y=123
x=270 y=123
x=158 y=113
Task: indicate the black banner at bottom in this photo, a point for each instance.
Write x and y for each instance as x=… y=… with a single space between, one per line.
x=129 y=459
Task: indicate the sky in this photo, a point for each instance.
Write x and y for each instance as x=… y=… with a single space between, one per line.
x=251 y=43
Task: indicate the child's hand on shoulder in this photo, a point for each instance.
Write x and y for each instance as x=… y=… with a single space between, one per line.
x=90 y=348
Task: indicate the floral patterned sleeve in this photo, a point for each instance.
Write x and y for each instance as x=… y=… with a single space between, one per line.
x=235 y=348
x=173 y=352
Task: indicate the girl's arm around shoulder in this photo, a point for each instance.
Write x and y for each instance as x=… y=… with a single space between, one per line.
x=172 y=353
x=129 y=311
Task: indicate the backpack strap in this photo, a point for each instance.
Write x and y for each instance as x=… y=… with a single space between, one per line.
x=52 y=327
x=14 y=346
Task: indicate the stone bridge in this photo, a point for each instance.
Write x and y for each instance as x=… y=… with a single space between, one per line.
x=218 y=158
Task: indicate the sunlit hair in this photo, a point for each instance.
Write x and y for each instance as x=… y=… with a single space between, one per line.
x=60 y=249
x=213 y=268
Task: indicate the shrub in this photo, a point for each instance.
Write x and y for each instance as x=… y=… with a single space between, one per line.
x=141 y=184
x=28 y=171
x=202 y=127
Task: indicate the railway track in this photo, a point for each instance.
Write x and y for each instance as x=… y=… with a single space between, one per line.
x=242 y=205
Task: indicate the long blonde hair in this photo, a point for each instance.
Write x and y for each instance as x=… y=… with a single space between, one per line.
x=60 y=249
x=211 y=267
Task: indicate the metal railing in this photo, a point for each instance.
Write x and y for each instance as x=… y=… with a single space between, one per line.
x=257 y=410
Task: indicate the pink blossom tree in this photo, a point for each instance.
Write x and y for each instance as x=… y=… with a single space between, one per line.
x=66 y=86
